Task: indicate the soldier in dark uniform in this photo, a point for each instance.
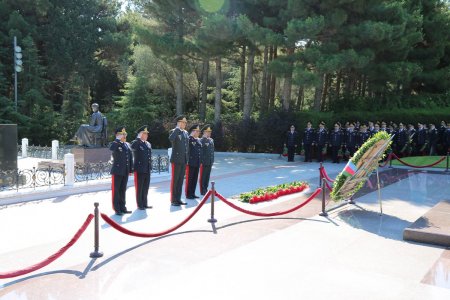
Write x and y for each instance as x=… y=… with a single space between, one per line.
x=447 y=139
x=142 y=151
x=401 y=140
x=193 y=166
x=207 y=159
x=351 y=140
x=291 y=142
x=422 y=140
x=335 y=141
x=308 y=141
x=363 y=136
x=179 y=159
x=121 y=169
x=433 y=139
x=441 y=139
x=321 y=139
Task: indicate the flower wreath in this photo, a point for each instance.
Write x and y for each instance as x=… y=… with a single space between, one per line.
x=342 y=177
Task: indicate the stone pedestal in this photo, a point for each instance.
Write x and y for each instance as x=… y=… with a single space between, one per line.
x=8 y=147
x=91 y=155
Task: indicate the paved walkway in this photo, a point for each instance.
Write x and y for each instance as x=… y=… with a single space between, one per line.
x=354 y=253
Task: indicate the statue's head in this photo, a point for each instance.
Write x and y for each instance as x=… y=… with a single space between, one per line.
x=94 y=107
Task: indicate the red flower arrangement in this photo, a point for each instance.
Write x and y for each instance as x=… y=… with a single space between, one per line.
x=273 y=192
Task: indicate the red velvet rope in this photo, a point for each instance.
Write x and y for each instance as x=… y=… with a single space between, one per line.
x=150 y=235
x=52 y=258
x=325 y=175
x=412 y=166
x=260 y=214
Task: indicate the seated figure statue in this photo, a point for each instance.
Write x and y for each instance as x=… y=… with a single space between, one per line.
x=85 y=134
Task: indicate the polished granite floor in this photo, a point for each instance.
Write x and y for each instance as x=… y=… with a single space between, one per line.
x=354 y=253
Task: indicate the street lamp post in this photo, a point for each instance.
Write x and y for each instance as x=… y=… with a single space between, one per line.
x=17 y=67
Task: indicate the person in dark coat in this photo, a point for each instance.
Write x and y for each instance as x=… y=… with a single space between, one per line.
x=142 y=151
x=207 y=159
x=351 y=140
x=447 y=139
x=122 y=167
x=193 y=167
x=433 y=139
x=308 y=141
x=291 y=142
x=421 y=141
x=335 y=141
x=179 y=159
x=441 y=139
x=363 y=136
x=321 y=139
x=401 y=141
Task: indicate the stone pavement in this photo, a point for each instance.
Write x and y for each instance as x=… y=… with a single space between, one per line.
x=354 y=253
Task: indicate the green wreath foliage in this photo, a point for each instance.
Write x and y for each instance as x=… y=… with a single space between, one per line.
x=340 y=179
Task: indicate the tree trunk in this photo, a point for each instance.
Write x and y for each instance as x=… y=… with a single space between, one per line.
x=249 y=85
x=364 y=86
x=318 y=93
x=273 y=82
x=287 y=85
x=204 y=95
x=179 y=90
x=325 y=91
x=269 y=79
x=338 y=85
x=300 y=97
x=242 y=84
x=265 y=98
x=218 y=98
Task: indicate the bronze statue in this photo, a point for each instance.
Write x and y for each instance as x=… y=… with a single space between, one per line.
x=86 y=133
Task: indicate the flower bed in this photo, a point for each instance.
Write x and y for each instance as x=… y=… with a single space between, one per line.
x=273 y=192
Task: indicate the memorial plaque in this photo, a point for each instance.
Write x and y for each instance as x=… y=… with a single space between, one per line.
x=8 y=147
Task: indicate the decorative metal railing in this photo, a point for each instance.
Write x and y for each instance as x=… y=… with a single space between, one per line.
x=31 y=178
x=44 y=151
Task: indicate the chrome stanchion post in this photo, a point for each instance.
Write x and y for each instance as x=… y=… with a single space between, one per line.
x=96 y=253
x=323 y=213
x=213 y=194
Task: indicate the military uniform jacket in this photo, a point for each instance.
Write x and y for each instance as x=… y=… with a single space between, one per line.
x=195 y=148
x=362 y=138
x=291 y=138
x=122 y=158
x=142 y=151
x=180 y=146
x=336 y=138
x=308 y=136
x=433 y=136
x=401 y=137
x=421 y=136
x=207 y=155
x=321 y=137
x=412 y=135
x=351 y=139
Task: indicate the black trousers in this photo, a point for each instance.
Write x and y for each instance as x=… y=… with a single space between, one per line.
x=291 y=152
x=176 y=183
x=334 y=153
x=205 y=173
x=319 y=153
x=119 y=188
x=191 y=180
x=308 y=152
x=141 y=185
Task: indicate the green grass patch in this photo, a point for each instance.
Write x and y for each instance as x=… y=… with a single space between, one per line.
x=421 y=161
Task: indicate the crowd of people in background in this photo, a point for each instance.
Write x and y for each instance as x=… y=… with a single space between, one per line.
x=341 y=141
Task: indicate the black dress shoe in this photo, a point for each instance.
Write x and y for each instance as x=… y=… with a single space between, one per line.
x=190 y=198
x=127 y=212
x=175 y=203
x=141 y=208
x=183 y=203
x=148 y=206
x=195 y=196
x=119 y=213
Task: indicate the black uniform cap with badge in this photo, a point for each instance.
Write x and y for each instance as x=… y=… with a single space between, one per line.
x=143 y=129
x=181 y=118
x=206 y=128
x=194 y=127
x=120 y=130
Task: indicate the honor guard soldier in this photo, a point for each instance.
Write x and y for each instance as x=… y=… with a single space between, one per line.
x=351 y=140
x=433 y=139
x=422 y=140
x=308 y=141
x=335 y=142
x=291 y=142
x=441 y=139
x=321 y=139
x=121 y=169
x=142 y=151
x=193 y=166
x=401 y=140
x=207 y=159
x=363 y=136
x=447 y=139
x=179 y=158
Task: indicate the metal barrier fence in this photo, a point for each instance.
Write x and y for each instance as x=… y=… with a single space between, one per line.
x=31 y=178
x=44 y=151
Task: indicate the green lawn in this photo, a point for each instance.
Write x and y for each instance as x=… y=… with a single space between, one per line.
x=421 y=161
